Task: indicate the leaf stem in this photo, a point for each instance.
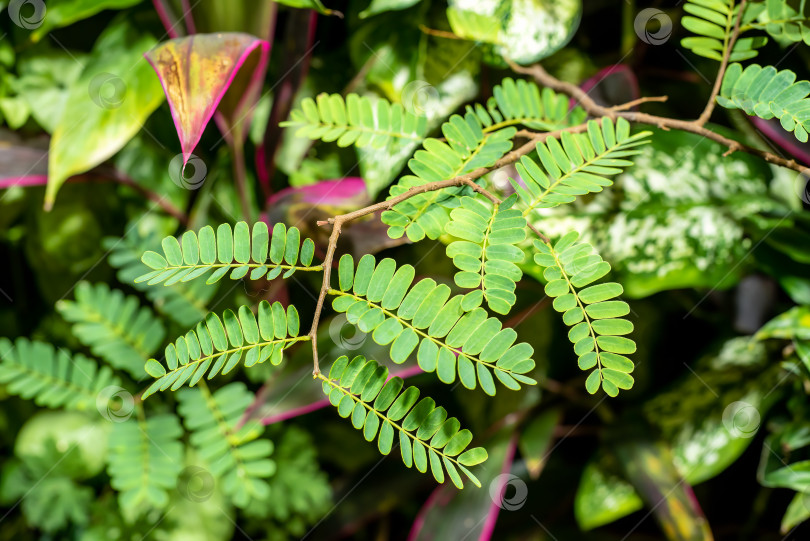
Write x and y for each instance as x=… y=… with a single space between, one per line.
x=385 y=419
x=731 y=39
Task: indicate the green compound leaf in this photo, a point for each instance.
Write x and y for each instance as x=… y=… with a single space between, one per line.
x=487 y=252
x=361 y=391
x=143 y=461
x=768 y=93
x=522 y=102
x=115 y=327
x=239 y=251
x=447 y=339
x=578 y=164
x=183 y=302
x=590 y=310
x=788 y=22
x=713 y=22
x=52 y=378
x=239 y=461
x=217 y=345
x=466 y=149
x=356 y=120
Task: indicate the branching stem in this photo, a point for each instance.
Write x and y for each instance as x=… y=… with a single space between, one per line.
x=692 y=126
x=545 y=79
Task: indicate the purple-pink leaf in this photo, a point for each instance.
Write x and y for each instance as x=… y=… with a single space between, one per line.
x=22 y=162
x=342 y=193
x=197 y=71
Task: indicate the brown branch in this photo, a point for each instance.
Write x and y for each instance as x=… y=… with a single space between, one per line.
x=707 y=112
x=639 y=101
x=438 y=33
x=593 y=108
x=541 y=76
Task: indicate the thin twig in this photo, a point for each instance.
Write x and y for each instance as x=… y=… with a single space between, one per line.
x=593 y=108
x=438 y=33
x=462 y=180
x=639 y=101
x=665 y=123
x=707 y=112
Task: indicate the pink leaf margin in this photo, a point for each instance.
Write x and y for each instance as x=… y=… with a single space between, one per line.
x=188 y=147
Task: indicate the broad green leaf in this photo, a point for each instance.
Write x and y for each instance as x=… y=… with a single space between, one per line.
x=105 y=107
x=707 y=421
x=64 y=13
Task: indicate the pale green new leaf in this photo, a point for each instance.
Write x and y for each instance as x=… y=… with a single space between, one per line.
x=576 y=165
x=92 y=129
x=378 y=406
x=217 y=345
x=379 y=299
x=487 y=253
x=597 y=330
x=262 y=254
x=466 y=149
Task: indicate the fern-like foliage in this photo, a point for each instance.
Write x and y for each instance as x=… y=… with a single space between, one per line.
x=788 y=20
x=768 y=93
x=713 y=22
x=183 y=302
x=356 y=121
x=52 y=378
x=217 y=345
x=466 y=149
x=577 y=164
x=230 y=250
x=487 y=252
x=380 y=408
x=143 y=460
x=379 y=299
x=597 y=328
x=115 y=327
x=522 y=102
x=233 y=454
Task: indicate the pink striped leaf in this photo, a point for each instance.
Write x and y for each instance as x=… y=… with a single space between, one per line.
x=197 y=72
